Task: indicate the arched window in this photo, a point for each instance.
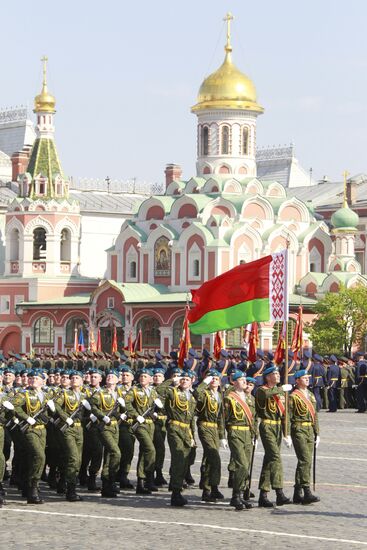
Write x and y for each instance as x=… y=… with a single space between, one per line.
x=133 y=270
x=151 y=334
x=162 y=258
x=43 y=331
x=14 y=245
x=225 y=141
x=278 y=327
x=196 y=268
x=39 y=243
x=205 y=141
x=196 y=341
x=245 y=141
x=75 y=323
x=65 y=246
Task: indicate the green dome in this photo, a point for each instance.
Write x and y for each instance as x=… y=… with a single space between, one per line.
x=344 y=218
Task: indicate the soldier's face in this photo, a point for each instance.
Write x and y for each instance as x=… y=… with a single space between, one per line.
x=176 y=379
x=25 y=380
x=65 y=380
x=250 y=386
x=51 y=379
x=9 y=378
x=57 y=378
x=127 y=378
x=215 y=382
x=87 y=378
x=158 y=378
x=111 y=379
x=95 y=379
x=303 y=382
x=36 y=382
x=144 y=379
x=76 y=381
x=240 y=384
x=185 y=382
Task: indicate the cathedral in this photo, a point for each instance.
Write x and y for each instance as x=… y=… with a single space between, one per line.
x=226 y=214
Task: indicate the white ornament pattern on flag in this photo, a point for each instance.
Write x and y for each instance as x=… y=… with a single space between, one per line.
x=278 y=287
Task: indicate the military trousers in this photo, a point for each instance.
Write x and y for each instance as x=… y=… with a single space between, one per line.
x=146 y=460
x=35 y=446
x=92 y=451
x=240 y=445
x=303 y=439
x=126 y=444
x=211 y=465
x=159 y=440
x=2 y=457
x=333 y=398
x=317 y=393
x=109 y=436
x=180 y=444
x=72 y=440
x=272 y=469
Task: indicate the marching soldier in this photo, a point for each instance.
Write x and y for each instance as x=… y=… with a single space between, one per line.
x=160 y=431
x=127 y=436
x=318 y=379
x=250 y=400
x=333 y=382
x=305 y=435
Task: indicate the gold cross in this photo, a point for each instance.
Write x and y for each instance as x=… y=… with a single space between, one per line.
x=44 y=60
x=229 y=17
x=345 y=201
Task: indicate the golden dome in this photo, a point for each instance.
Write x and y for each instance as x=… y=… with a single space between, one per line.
x=228 y=87
x=44 y=102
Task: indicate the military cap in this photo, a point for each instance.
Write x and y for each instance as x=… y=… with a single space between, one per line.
x=260 y=353
x=175 y=370
x=65 y=372
x=343 y=359
x=333 y=359
x=243 y=354
x=318 y=357
x=51 y=371
x=36 y=372
x=173 y=355
x=151 y=355
x=116 y=354
x=300 y=373
x=159 y=370
x=251 y=380
x=94 y=370
x=237 y=374
x=126 y=368
x=206 y=354
x=192 y=353
x=307 y=354
x=213 y=372
x=224 y=353
x=113 y=371
x=9 y=370
x=271 y=368
x=74 y=372
x=158 y=356
x=124 y=356
x=188 y=373
x=270 y=355
x=144 y=370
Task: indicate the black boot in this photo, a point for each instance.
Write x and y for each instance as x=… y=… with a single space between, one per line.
x=202 y=481
x=159 y=479
x=52 y=481
x=215 y=493
x=92 y=485
x=177 y=499
x=125 y=483
x=188 y=478
x=71 y=494
x=2 y=490
x=297 y=495
x=140 y=489
x=2 y=501
x=207 y=496
x=149 y=484
x=83 y=477
x=236 y=501
x=107 y=489
x=230 y=480
x=309 y=498
x=33 y=494
x=61 y=486
x=264 y=502
x=247 y=494
x=281 y=498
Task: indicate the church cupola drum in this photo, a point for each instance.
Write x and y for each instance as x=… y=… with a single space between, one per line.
x=227 y=111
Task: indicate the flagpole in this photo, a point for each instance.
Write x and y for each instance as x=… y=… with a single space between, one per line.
x=286 y=315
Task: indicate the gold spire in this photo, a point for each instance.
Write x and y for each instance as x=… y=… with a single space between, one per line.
x=345 y=201
x=44 y=102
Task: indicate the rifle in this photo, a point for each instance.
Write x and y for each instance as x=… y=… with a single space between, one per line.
x=120 y=402
x=135 y=426
x=84 y=403
x=252 y=462
x=24 y=425
x=314 y=464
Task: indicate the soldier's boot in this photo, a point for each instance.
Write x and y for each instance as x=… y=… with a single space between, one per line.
x=52 y=481
x=83 y=477
x=309 y=498
x=202 y=472
x=215 y=493
x=92 y=483
x=61 y=486
x=115 y=487
x=44 y=476
x=177 y=499
x=107 y=489
x=2 y=490
x=236 y=501
x=188 y=477
x=125 y=482
x=33 y=494
x=281 y=498
x=6 y=474
x=2 y=501
x=264 y=502
x=71 y=494
x=159 y=479
x=149 y=484
x=247 y=494
x=140 y=489
x=230 y=479
x=207 y=496
x=297 y=495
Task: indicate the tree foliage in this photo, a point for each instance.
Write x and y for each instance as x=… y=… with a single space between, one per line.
x=341 y=321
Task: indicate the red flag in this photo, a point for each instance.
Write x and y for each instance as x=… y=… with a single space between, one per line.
x=138 y=342
x=76 y=343
x=185 y=343
x=280 y=351
x=114 y=340
x=218 y=345
x=99 y=345
x=297 y=340
x=253 y=343
x=130 y=343
x=92 y=342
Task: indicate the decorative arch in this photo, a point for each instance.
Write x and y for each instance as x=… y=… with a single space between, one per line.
x=38 y=222
x=67 y=223
x=224 y=169
x=258 y=207
x=14 y=223
x=293 y=210
x=245 y=240
x=220 y=206
x=232 y=186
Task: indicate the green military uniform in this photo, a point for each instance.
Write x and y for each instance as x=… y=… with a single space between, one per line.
x=343 y=389
x=92 y=448
x=210 y=423
x=180 y=406
x=104 y=404
x=68 y=404
x=138 y=401
x=250 y=400
x=126 y=444
x=3 y=419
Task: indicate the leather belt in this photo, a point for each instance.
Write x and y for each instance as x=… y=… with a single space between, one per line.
x=300 y=423
x=181 y=424
x=272 y=422
x=239 y=428
x=208 y=424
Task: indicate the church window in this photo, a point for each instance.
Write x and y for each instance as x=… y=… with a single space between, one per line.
x=245 y=140
x=5 y=304
x=65 y=245
x=110 y=302
x=196 y=268
x=133 y=270
x=151 y=334
x=73 y=325
x=205 y=141
x=225 y=140
x=59 y=189
x=194 y=262
x=14 y=245
x=162 y=258
x=43 y=332
x=39 y=243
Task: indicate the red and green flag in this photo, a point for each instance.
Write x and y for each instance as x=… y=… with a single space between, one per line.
x=256 y=291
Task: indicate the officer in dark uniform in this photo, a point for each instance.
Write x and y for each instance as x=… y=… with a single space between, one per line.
x=318 y=380
x=333 y=382
x=361 y=391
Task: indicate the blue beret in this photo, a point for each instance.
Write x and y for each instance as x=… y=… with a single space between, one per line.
x=113 y=371
x=238 y=374
x=159 y=370
x=300 y=373
x=126 y=368
x=75 y=372
x=189 y=373
x=145 y=371
x=36 y=372
x=175 y=370
x=271 y=368
x=9 y=370
x=251 y=380
x=213 y=372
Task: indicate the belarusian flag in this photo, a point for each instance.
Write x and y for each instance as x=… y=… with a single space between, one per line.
x=256 y=291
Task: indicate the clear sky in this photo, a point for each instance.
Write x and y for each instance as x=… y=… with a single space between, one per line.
x=125 y=74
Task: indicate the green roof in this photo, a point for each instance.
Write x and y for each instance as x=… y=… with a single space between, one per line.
x=44 y=160
x=345 y=218
x=76 y=299
x=146 y=293
x=297 y=300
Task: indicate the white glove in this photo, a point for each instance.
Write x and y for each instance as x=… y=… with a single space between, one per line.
x=207 y=380
x=317 y=442
x=51 y=405
x=255 y=443
x=224 y=444
x=158 y=403
x=31 y=421
x=140 y=419
x=69 y=421
x=155 y=415
x=16 y=420
x=121 y=401
x=287 y=387
x=106 y=419
x=123 y=416
x=9 y=406
x=288 y=441
x=86 y=404
x=93 y=417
